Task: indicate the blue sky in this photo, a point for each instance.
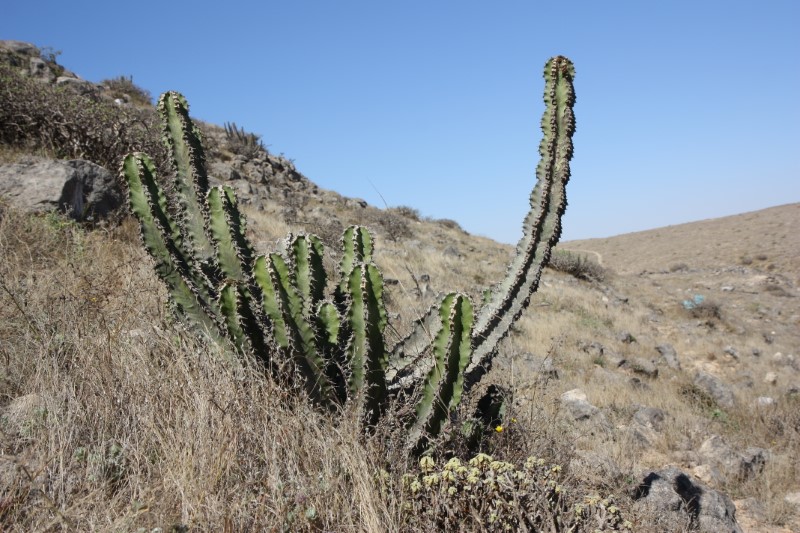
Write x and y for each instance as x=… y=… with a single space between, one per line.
x=685 y=109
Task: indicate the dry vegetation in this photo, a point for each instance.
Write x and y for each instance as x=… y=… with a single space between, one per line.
x=113 y=418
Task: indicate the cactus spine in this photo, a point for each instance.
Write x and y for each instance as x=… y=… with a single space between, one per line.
x=276 y=306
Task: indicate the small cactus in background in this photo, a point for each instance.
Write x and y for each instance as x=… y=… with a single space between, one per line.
x=275 y=306
x=241 y=142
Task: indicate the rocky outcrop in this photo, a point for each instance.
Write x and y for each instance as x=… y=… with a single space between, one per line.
x=81 y=189
x=677 y=498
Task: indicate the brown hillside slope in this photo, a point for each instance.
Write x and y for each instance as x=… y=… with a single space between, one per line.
x=769 y=238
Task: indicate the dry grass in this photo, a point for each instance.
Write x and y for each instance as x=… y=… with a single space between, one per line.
x=113 y=418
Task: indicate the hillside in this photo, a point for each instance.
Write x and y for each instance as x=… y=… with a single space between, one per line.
x=768 y=239
x=679 y=352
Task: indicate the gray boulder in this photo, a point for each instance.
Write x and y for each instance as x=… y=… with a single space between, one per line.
x=40 y=70
x=714 y=387
x=19 y=47
x=669 y=356
x=579 y=409
x=731 y=463
x=79 y=188
x=76 y=84
x=676 y=498
x=644 y=367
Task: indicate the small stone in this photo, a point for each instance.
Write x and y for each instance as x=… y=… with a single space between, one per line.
x=650 y=417
x=578 y=405
x=793 y=498
x=771 y=378
x=730 y=350
x=765 y=401
x=707 y=474
x=669 y=356
x=594 y=349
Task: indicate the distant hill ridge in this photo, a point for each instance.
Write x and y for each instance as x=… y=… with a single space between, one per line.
x=768 y=238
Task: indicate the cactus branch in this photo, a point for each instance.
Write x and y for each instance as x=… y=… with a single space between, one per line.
x=542 y=226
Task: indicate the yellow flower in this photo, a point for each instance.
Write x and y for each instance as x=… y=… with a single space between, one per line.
x=499 y=429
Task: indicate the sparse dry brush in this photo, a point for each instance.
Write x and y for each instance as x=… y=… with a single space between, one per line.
x=65 y=124
x=115 y=419
x=118 y=420
x=577 y=265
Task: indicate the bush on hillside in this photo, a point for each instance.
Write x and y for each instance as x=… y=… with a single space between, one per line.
x=122 y=87
x=68 y=125
x=576 y=265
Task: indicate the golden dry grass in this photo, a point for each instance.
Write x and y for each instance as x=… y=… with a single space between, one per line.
x=114 y=419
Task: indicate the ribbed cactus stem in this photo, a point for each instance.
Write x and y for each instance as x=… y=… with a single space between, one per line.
x=161 y=237
x=184 y=144
x=333 y=345
x=443 y=385
x=542 y=226
x=411 y=358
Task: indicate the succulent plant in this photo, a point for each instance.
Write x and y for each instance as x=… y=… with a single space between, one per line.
x=333 y=345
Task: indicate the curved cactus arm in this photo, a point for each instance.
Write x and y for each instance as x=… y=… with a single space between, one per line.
x=328 y=324
x=443 y=386
x=303 y=336
x=310 y=278
x=356 y=247
x=221 y=230
x=184 y=144
x=410 y=359
x=365 y=350
x=188 y=289
x=542 y=226
x=271 y=304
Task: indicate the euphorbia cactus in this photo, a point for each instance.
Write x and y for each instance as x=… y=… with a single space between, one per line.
x=275 y=306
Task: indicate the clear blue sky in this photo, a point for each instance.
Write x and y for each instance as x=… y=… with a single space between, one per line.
x=685 y=109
